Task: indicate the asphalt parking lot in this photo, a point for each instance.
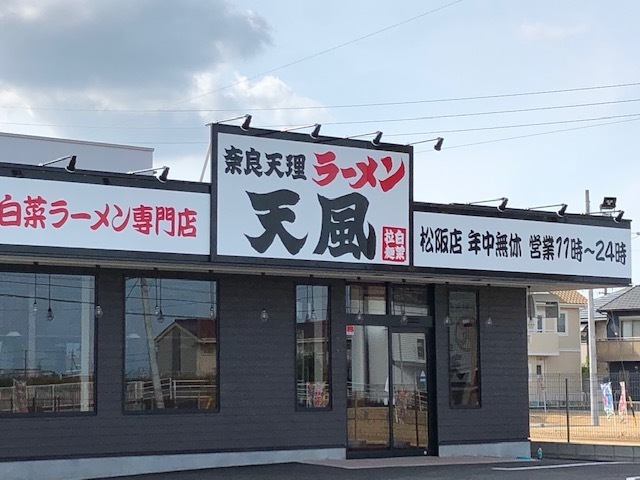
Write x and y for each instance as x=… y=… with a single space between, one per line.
x=496 y=470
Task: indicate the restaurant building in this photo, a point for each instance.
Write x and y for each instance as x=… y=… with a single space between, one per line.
x=300 y=306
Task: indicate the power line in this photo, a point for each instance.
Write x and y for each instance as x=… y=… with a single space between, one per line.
x=532 y=135
x=317 y=54
x=522 y=125
x=472 y=114
x=361 y=122
x=327 y=107
x=496 y=127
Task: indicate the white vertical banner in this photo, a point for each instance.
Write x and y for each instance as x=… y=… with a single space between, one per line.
x=299 y=200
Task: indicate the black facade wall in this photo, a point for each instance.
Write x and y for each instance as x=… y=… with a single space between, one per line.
x=503 y=414
x=256 y=381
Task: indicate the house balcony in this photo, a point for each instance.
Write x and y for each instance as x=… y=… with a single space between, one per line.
x=618 y=350
x=542 y=344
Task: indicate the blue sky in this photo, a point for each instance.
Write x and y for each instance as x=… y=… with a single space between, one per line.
x=141 y=73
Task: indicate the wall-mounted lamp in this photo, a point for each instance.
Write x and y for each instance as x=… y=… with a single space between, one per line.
x=560 y=212
x=71 y=166
x=245 y=124
x=616 y=215
x=98 y=312
x=501 y=207
x=437 y=146
x=264 y=316
x=376 y=139
x=315 y=133
x=162 y=178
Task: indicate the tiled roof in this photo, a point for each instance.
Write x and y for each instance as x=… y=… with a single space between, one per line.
x=201 y=328
x=600 y=302
x=629 y=300
x=571 y=296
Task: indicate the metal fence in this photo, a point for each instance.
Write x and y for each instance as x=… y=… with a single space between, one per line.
x=560 y=408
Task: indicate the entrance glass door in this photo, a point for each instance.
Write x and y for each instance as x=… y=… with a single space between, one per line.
x=409 y=372
x=387 y=389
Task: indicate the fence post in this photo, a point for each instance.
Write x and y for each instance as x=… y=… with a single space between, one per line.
x=566 y=402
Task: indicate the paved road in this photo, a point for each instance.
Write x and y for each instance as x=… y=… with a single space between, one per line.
x=531 y=470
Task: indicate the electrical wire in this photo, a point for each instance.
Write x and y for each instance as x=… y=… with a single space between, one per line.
x=396 y=120
x=317 y=54
x=323 y=107
x=531 y=135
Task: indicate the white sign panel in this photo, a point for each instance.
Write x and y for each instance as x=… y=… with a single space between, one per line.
x=305 y=201
x=104 y=217
x=508 y=245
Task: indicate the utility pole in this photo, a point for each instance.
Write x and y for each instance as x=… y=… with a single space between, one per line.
x=151 y=345
x=593 y=359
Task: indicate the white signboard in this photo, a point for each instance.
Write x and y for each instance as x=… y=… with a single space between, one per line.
x=309 y=201
x=508 y=245
x=104 y=217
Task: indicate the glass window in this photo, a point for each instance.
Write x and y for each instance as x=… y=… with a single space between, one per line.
x=562 y=323
x=420 y=348
x=410 y=300
x=630 y=327
x=313 y=389
x=464 y=365
x=171 y=344
x=46 y=343
x=366 y=299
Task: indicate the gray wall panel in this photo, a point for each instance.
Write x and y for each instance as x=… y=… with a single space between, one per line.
x=503 y=414
x=257 y=387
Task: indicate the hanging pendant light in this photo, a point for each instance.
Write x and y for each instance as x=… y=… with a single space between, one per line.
x=158 y=311
x=489 y=319
x=212 y=305
x=34 y=307
x=49 y=316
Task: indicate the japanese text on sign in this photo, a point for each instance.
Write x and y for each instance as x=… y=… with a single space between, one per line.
x=311 y=201
x=489 y=243
x=48 y=213
x=254 y=162
x=37 y=212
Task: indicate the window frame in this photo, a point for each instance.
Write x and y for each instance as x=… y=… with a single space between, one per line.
x=476 y=338
x=329 y=406
x=565 y=316
x=629 y=319
x=187 y=276
x=94 y=274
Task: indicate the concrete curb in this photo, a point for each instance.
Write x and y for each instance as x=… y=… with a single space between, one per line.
x=583 y=451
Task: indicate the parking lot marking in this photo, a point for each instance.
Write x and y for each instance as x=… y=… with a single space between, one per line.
x=565 y=465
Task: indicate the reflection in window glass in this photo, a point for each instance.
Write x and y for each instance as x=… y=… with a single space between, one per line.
x=410 y=300
x=366 y=299
x=464 y=366
x=171 y=347
x=46 y=343
x=312 y=346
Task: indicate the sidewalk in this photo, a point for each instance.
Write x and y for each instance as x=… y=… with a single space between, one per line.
x=367 y=463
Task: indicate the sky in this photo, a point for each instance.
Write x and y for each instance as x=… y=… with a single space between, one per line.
x=537 y=101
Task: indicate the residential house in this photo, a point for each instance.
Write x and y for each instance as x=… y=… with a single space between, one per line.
x=554 y=344
x=618 y=345
x=605 y=353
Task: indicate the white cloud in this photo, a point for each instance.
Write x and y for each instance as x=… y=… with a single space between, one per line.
x=541 y=31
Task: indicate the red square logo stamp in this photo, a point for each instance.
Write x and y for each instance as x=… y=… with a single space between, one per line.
x=394 y=244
